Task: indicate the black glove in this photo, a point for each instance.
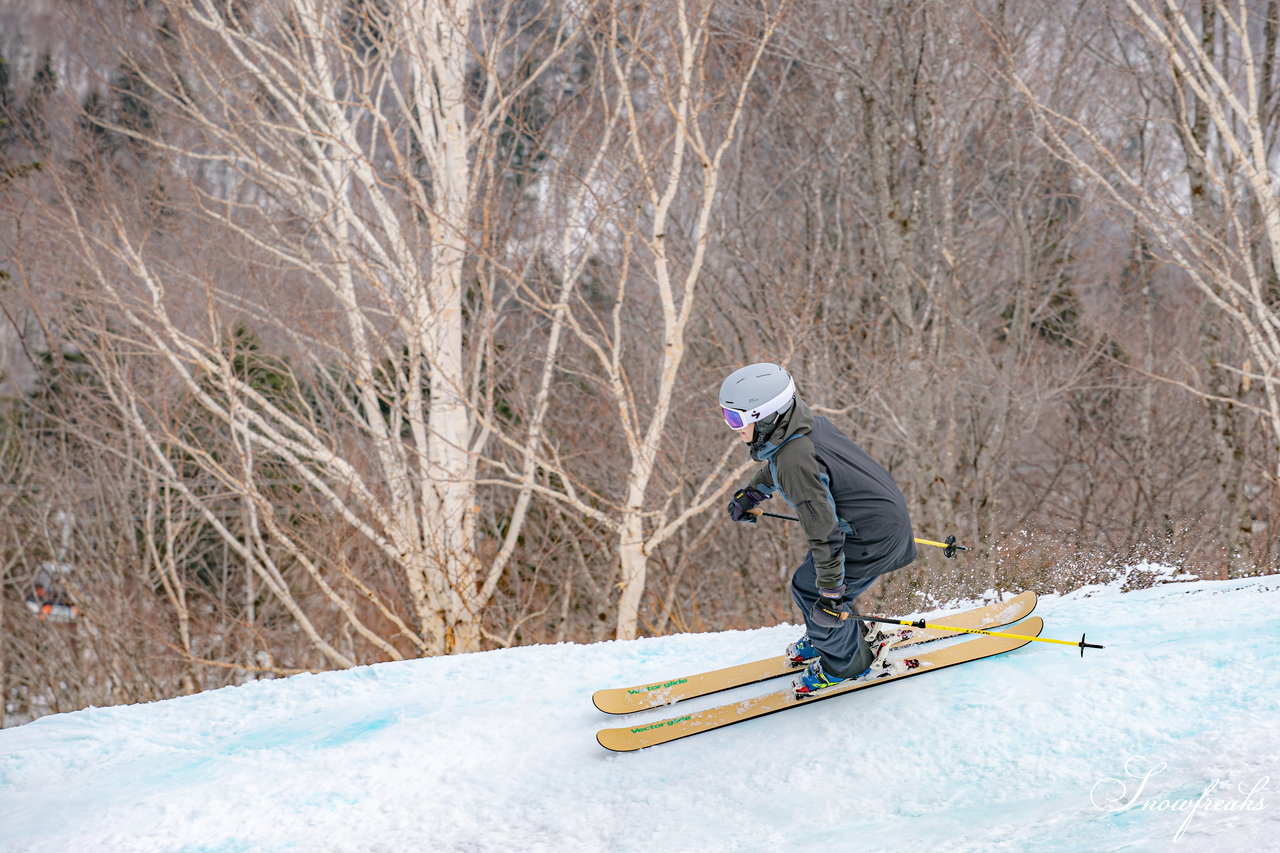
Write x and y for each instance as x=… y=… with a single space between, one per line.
x=830 y=609
x=745 y=500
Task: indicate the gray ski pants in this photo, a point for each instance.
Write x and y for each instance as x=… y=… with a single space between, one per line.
x=843 y=650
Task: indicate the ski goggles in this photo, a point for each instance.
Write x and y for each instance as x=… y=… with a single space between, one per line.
x=737 y=418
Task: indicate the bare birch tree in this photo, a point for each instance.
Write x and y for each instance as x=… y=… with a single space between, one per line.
x=700 y=113
x=1215 y=214
x=948 y=333
x=675 y=79
x=337 y=143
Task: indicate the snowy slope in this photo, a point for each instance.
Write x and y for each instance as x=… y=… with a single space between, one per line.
x=1170 y=734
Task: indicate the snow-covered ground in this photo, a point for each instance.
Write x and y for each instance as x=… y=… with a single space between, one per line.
x=1167 y=739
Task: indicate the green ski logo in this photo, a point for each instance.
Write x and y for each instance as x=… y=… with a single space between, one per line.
x=664 y=685
x=671 y=722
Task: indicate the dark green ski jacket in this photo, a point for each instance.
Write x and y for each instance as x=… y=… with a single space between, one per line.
x=853 y=513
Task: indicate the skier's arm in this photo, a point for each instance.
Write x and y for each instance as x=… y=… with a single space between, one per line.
x=762 y=481
x=803 y=482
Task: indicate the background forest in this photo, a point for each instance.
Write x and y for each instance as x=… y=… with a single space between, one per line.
x=344 y=331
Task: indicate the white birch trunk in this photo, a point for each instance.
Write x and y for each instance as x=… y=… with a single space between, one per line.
x=677 y=291
x=369 y=145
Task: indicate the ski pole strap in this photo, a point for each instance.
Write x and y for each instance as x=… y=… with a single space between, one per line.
x=949 y=547
x=920 y=623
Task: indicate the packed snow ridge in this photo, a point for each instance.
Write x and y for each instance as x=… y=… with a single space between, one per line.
x=1169 y=736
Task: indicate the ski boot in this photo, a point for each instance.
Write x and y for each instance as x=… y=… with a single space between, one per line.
x=813 y=680
x=801 y=652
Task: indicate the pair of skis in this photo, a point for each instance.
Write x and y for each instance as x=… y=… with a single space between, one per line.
x=626 y=700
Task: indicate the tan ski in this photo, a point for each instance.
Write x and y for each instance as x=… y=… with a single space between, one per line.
x=627 y=700
x=650 y=734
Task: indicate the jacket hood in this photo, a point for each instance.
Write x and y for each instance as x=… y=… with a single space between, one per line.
x=798 y=420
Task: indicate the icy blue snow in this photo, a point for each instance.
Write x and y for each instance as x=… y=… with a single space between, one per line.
x=1169 y=739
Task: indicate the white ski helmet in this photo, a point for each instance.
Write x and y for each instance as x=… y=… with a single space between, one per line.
x=755 y=392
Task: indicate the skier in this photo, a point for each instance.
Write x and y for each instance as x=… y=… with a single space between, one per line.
x=853 y=515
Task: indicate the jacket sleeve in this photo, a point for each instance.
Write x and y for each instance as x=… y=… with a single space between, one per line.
x=762 y=481
x=802 y=480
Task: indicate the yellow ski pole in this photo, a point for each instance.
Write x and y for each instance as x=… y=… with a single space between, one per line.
x=948 y=547
x=841 y=615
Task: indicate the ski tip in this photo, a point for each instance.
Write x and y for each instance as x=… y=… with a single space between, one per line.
x=1026 y=600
